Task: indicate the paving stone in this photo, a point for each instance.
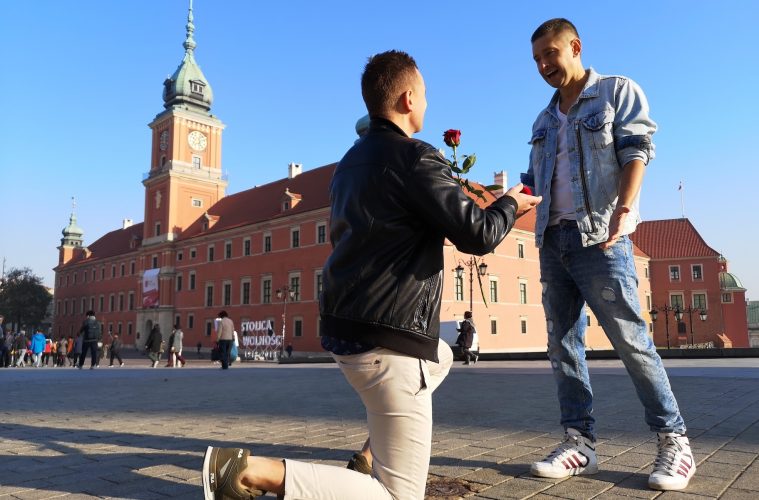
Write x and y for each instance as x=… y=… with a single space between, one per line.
x=138 y=447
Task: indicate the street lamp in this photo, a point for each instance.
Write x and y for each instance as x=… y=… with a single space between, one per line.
x=701 y=314
x=286 y=294
x=472 y=264
x=677 y=313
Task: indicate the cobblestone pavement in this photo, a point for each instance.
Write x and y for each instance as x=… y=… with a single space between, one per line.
x=140 y=433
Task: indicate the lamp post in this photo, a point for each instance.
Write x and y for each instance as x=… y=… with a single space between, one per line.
x=472 y=263
x=285 y=294
x=677 y=313
x=701 y=314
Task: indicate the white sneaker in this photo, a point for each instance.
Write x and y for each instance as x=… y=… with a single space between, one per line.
x=576 y=455
x=674 y=464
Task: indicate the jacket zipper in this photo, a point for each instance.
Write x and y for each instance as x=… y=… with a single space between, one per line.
x=584 y=180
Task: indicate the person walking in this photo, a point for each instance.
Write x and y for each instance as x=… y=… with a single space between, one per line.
x=177 y=346
x=468 y=332
x=91 y=334
x=115 y=350
x=20 y=346
x=393 y=204
x=225 y=335
x=37 y=348
x=590 y=148
x=153 y=345
x=76 y=350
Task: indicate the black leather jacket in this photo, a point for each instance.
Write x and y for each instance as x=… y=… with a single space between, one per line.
x=394 y=201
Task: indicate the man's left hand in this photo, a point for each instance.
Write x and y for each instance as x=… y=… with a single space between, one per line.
x=615 y=226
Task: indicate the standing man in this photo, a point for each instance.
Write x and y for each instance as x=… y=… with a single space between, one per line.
x=5 y=349
x=590 y=148
x=225 y=334
x=91 y=335
x=393 y=203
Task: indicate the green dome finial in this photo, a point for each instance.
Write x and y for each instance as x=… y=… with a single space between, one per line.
x=189 y=44
x=187 y=88
x=72 y=234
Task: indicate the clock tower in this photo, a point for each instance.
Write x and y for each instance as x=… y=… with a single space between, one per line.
x=185 y=176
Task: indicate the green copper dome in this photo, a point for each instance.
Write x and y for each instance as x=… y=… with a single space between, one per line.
x=72 y=234
x=728 y=281
x=187 y=87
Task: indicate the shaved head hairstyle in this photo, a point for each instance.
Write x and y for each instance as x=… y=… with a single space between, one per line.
x=386 y=76
x=554 y=26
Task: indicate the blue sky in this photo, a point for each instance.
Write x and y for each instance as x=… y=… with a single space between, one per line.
x=81 y=80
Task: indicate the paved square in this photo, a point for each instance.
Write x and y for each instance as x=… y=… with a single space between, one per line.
x=140 y=433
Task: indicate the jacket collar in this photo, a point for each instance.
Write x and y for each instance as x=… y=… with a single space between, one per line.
x=378 y=124
x=589 y=90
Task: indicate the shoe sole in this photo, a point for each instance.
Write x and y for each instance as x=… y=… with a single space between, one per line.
x=661 y=487
x=207 y=493
x=585 y=471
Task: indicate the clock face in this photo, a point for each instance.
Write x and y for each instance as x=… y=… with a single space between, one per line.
x=197 y=140
x=164 y=140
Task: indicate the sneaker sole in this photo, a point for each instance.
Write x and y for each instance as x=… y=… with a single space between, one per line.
x=664 y=487
x=585 y=471
x=207 y=493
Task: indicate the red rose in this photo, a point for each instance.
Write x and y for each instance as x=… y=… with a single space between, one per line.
x=526 y=190
x=452 y=137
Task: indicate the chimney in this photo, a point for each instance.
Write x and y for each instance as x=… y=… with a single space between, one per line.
x=501 y=179
x=126 y=223
x=294 y=170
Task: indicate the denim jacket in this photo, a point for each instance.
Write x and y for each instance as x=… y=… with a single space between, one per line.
x=607 y=128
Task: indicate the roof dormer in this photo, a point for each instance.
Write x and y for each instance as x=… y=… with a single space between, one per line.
x=289 y=200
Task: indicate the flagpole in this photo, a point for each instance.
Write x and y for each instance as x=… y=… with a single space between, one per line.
x=682 y=198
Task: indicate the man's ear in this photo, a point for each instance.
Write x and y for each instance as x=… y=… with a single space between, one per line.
x=405 y=102
x=576 y=45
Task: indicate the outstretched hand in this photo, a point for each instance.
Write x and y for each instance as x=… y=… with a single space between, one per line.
x=525 y=202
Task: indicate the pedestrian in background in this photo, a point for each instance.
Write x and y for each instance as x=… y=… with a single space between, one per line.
x=466 y=338
x=177 y=346
x=20 y=347
x=91 y=336
x=225 y=335
x=115 y=350
x=153 y=345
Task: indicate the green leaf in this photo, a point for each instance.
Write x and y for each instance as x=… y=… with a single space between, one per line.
x=469 y=162
x=493 y=187
x=456 y=169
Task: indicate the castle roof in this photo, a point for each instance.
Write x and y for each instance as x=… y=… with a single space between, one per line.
x=671 y=238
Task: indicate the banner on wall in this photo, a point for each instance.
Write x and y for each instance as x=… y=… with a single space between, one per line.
x=150 y=288
x=258 y=341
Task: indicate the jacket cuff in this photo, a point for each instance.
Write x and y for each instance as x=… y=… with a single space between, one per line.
x=512 y=202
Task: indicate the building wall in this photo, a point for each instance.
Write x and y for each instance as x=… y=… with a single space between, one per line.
x=505 y=324
x=721 y=318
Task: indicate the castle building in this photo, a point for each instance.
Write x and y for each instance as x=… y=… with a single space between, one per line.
x=258 y=254
x=689 y=276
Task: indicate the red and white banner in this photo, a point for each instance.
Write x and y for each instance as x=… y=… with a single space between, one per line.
x=150 y=288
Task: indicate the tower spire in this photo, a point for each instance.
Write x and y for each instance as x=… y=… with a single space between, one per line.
x=189 y=43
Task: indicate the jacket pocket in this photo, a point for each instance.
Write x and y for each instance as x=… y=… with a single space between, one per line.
x=600 y=128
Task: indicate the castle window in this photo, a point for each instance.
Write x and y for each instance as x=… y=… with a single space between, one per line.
x=197 y=203
x=196 y=162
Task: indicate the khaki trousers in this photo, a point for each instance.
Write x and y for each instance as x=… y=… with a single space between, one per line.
x=397 y=392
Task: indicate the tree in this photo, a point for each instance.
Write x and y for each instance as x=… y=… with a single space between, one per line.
x=23 y=298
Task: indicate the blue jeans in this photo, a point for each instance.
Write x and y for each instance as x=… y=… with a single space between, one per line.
x=572 y=275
